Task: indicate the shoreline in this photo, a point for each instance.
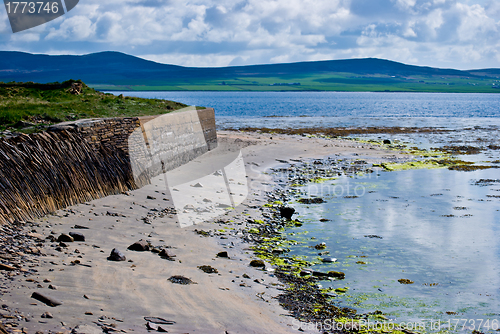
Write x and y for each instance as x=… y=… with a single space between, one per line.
x=97 y=293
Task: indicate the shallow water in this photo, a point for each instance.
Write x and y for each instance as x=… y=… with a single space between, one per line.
x=438 y=229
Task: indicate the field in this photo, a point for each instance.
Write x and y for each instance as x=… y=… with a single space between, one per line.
x=342 y=82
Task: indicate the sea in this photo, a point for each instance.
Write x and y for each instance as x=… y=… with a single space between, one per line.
x=437 y=228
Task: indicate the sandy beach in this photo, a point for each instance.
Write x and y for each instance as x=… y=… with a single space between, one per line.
x=99 y=295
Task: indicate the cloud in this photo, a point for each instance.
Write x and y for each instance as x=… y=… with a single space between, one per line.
x=449 y=33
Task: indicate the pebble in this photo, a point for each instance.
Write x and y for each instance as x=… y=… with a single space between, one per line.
x=139 y=246
x=223 y=254
x=65 y=238
x=329 y=259
x=167 y=253
x=47 y=315
x=116 y=255
x=287 y=212
x=77 y=236
x=257 y=263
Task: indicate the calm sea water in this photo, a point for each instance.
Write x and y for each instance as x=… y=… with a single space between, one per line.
x=339 y=109
x=438 y=228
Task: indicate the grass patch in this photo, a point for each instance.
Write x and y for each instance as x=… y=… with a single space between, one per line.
x=32 y=106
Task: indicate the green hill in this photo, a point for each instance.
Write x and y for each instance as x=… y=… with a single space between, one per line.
x=118 y=71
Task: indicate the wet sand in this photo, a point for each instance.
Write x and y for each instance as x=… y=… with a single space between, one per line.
x=98 y=294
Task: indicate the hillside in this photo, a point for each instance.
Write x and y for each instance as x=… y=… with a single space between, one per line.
x=118 y=71
x=30 y=107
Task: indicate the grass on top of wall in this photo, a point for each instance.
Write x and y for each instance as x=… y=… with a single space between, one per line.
x=31 y=107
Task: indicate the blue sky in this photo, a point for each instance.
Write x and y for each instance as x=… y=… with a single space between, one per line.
x=463 y=34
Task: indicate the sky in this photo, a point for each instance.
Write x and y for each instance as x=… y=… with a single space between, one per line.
x=461 y=34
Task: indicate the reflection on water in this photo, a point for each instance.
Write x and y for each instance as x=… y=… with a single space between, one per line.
x=439 y=229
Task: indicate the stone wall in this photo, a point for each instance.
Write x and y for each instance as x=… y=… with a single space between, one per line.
x=79 y=161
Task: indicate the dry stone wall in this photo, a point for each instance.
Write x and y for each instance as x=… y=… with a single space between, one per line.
x=79 y=161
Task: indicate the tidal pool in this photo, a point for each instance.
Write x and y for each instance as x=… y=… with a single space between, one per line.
x=437 y=228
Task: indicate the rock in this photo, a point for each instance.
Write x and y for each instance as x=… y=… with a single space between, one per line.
x=387 y=142
x=151 y=197
x=198 y=185
x=80 y=227
x=257 y=264
x=315 y=200
x=405 y=281
x=278 y=251
x=319 y=274
x=6 y=267
x=151 y=326
x=320 y=246
x=65 y=238
x=77 y=236
x=178 y=279
x=167 y=254
x=116 y=255
x=139 y=246
x=159 y=321
x=47 y=315
x=86 y=329
x=373 y=236
x=306 y=272
x=45 y=299
x=336 y=274
x=52 y=287
x=208 y=269
x=329 y=259
x=223 y=254
x=36 y=236
x=287 y=212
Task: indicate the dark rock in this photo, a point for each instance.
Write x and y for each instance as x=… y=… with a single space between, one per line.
x=257 y=264
x=387 y=142
x=329 y=259
x=177 y=279
x=320 y=246
x=62 y=244
x=278 y=251
x=305 y=272
x=287 y=212
x=315 y=200
x=80 y=227
x=159 y=321
x=151 y=197
x=208 y=269
x=77 y=236
x=65 y=238
x=45 y=299
x=116 y=255
x=139 y=246
x=223 y=254
x=336 y=274
x=324 y=220
x=373 y=236
x=167 y=254
x=319 y=274
x=52 y=287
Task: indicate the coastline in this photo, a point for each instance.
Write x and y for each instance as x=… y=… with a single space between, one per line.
x=97 y=291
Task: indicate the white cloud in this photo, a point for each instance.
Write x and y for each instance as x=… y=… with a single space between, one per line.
x=456 y=33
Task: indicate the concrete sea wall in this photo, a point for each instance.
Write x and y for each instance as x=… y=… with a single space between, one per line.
x=79 y=161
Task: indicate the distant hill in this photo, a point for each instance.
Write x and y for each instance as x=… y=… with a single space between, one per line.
x=118 y=71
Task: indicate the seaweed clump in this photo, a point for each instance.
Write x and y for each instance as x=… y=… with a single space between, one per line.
x=306 y=302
